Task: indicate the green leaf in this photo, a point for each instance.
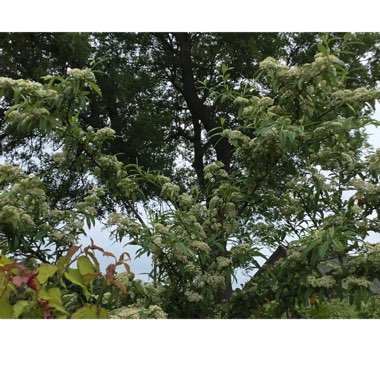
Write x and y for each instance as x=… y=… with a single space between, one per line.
x=321 y=48
x=45 y=271
x=311 y=245
x=95 y=261
x=351 y=108
x=6 y=309
x=323 y=249
x=85 y=266
x=283 y=137
x=90 y=312
x=53 y=296
x=5 y=260
x=338 y=244
x=55 y=300
x=95 y=87
x=74 y=276
x=19 y=307
x=292 y=137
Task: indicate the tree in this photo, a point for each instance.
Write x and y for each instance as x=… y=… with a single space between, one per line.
x=293 y=144
x=150 y=84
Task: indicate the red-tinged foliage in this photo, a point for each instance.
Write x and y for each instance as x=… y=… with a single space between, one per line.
x=121 y=261
x=10 y=267
x=110 y=272
x=25 y=277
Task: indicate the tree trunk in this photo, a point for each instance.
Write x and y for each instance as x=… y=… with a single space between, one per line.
x=199 y=110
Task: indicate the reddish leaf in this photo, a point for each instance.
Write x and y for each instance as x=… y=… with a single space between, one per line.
x=110 y=272
x=26 y=277
x=121 y=261
x=96 y=247
x=48 y=311
x=127 y=254
x=109 y=254
x=120 y=285
x=93 y=246
x=9 y=267
x=71 y=252
x=33 y=282
x=20 y=281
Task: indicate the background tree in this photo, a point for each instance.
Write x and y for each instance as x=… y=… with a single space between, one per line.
x=152 y=93
x=278 y=152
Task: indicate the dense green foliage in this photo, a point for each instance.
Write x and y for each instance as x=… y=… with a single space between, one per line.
x=279 y=158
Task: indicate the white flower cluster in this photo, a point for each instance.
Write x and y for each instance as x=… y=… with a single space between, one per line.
x=223 y=262
x=241 y=101
x=104 y=134
x=138 y=311
x=365 y=187
x=84 y=74
x=374 y=163
x=59 y=157
x=357 y=282
x=265 y=102
x=160 y=228
x=214 y=280
x=321 y=282
x=294 y=72
x=169 y=190
x=277 y=110
x=360 y=94
x=258 y=106
x=202 y=246
x=155 y=246
x=185 y=201
x=110 y=164
x=124 y=225
x=215 y=170
x=355 y=209
x=28 y=88
x=162 y=179
x=10 y=173
x=16 y=116
x=270 y=63
x=193 y=296
x=235 y=137
x=125 y=313
x=296 y=257
x=14 y=216
x=87 y=206
x=126 y=185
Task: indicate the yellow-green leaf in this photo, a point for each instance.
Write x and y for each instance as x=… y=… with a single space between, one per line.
x=53 y=295
x=6 y=309
x=5 y=260
x=90 y=312
x=85 y=266
x=74 y=276
x=45 y=271
x=19 y=307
